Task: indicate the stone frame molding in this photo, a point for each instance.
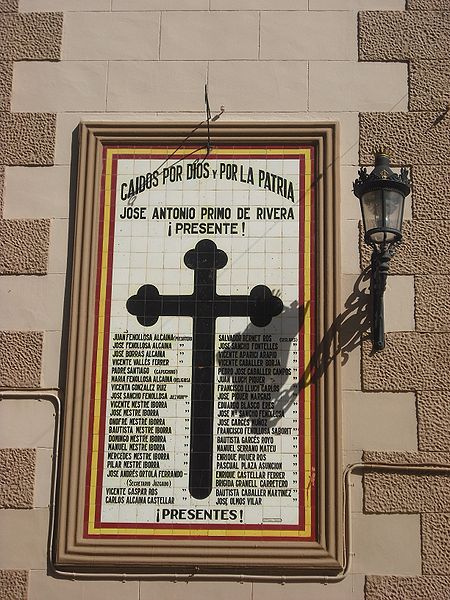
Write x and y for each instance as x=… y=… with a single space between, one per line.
x=323 y=556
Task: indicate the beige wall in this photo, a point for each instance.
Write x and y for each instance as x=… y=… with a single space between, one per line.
x=294 y=60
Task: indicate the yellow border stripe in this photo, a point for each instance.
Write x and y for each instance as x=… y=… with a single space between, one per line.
x=307 y=337
x=306 y=532
x=100 y=341
x=188 y=151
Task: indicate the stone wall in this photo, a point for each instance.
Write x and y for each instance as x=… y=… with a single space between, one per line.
x=384 y=77
x=417 y=361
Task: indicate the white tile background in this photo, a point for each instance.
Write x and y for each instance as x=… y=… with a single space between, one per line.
x=267 y=254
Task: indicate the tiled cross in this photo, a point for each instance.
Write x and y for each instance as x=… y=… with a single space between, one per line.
x=204 y=305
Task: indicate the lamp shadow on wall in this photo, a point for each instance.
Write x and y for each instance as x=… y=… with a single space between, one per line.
x=345 y=335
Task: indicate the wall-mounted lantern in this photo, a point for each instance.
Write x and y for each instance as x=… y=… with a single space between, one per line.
x=382 y=195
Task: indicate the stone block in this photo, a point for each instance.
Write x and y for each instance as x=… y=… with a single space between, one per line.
x=111 y=36
x=349 y=248
x=431 y=189
x=399 y=304
x=20 y=359
x=2 y=189
x=202 y=35
x=13 y=585
x=399 y=458
x=352 y=588
x=410 y=361
x=436 y=544
x=32 y=36
x=427 y=4
x=355 y=5
x=386 y=544
x=43 y=478
x=43 y=587
x=424 y=249
x=264 y=5
x=384 y=412
x=429 y=85
x=196 y=589
x=76 y=85
x=24 y=539
x=406 y=588
x=26 y=423
x=263 y=86
x=27 y=139
x=24 y=248
x=155 y=86
x=308 y=35
x=351 y=371
x=147 y=5
x=404 y=35
x=406 y=493
x=17 y=474
x=35 y=192
x=9 y=6
x=432 y=302
x=433 y=416
x=57 y=255
x=51 y=360
x=357 y=86
x=6 y=75
x=410 y=138
x=65 y=5
x=32 y=302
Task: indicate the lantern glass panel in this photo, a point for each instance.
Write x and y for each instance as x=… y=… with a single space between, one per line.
x=372 y=210
x=393 y=201
x=382 y=212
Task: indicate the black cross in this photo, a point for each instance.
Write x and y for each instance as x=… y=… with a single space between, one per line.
x=204 y=305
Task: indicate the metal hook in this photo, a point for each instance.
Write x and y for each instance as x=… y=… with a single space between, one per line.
x=208 y=119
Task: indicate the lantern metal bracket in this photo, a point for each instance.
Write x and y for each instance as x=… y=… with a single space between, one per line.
x=378 y=277
x=382 y=233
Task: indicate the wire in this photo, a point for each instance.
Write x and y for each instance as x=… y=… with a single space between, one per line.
x=207 y=146
x=208 y=119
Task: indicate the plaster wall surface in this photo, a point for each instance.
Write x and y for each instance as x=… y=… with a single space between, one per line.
x=294 y=60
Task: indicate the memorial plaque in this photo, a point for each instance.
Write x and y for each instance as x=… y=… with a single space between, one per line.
x=197 y=412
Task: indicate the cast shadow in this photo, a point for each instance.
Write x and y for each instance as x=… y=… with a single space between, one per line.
x=345 y=335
